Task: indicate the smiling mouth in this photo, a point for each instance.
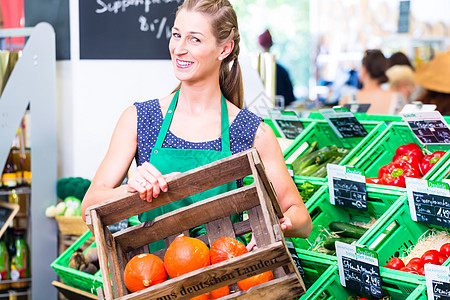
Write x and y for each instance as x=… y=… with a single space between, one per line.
x=184 y=64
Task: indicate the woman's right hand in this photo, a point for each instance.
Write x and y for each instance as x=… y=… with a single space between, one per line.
x=148 y=182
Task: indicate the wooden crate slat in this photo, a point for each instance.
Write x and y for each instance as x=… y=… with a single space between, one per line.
x=122 y=261
x=116 y=272
x=137 y=251
x=102 y=253
x=259 y=231
x=280 y=288
x=224 y=273
x=188 y=217
x=186 y=184
x=219 y=228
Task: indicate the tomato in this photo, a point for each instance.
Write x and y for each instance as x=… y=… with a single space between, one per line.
x=421 y=271
x=409 y=270
x=395 y=263
x=430 y=257
x=445 y=250
x=414 y=265
x=413 y=260
x=442 y=259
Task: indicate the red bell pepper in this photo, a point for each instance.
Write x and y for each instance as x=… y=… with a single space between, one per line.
x=374 y=180
x=396 y=172
x=410 y=158
x=430 y=160
x=409 y=149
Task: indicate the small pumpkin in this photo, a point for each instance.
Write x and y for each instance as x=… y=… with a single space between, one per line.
x=247 y=283
x=144 y=270
x=225 y=248
x=185 y=254
x=220 y=292
x=201 y=297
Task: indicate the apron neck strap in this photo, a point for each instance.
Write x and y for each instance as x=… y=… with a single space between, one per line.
x=224 y=122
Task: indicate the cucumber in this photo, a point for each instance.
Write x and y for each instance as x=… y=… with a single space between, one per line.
x=330 y=243
x=347 y=230
x=309 y=150
x=308 y=170
x=323 y=156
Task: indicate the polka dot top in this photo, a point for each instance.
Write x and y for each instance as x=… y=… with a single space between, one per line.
x=150 y=119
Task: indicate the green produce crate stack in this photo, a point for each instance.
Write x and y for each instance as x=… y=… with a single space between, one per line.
x=321 y=132
x=314 y=265
x=397 y=287
x=382 y=149
x=443 y=172
x=74 y=278
x=315 y=115
x=323 y=212
x=396 y=232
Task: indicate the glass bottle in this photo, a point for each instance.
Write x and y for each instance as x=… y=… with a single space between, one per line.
x=9 y=175
x=27 y=167
x=4 y=265
x=20 y=262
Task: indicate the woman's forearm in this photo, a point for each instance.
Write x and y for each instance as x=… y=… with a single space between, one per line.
x=99 y=194
x=301 y=222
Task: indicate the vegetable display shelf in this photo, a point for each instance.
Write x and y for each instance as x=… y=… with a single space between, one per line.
x=306 y=122
x=74 y=278
x=321 y=132
x=397 y=287
x=323 y=213
x=382 y=149
x=315 y=115
x=395 y=233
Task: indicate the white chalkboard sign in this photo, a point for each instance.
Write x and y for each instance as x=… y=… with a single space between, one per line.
x=429 y=127
x=112 y=29
x=438 y=282
x=343 y=122
x=7 y=213
x=347 y=187
x=429 y=201
x=359 y=269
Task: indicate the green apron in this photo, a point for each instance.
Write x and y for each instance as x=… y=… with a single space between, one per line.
x=168 y=160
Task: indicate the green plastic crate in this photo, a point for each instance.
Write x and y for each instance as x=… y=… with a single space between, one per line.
x=321 y=132
x=314 y=265
x=323 y=212
x=74 y=278
x=395 y=232
x=382 y=149
x=443 y=172
x=361 y=117
x=397 y=287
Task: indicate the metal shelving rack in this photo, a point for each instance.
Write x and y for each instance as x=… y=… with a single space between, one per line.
x=33 y=82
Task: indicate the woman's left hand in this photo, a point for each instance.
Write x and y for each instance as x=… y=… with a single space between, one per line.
x=285 y=224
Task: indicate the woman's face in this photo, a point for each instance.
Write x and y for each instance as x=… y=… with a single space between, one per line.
x=195 y=55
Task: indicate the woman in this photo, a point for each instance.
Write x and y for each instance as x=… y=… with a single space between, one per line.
x=195 y=118
x=372 y=76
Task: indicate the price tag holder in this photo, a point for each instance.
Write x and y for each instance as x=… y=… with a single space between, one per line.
x=347 y=186
x=287 y=123
x=343 y=122
x=295 y=258
x=429 y=201
x=429 y=127
x=438 y=282
x=359 y=269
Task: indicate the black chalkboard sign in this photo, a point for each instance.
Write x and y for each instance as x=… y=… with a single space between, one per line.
x=348 y=127
x=430 y=131
x=441 y=290
x=291 y=248
x=7 y=213
x=112 y=29
x=350 y=193
x=360 y=108
x=432 y=208
x=118 y=226
x=290 y=128
x=361 y=276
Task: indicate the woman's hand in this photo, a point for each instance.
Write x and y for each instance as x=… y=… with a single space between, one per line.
x=285 y=224
x=148 y=182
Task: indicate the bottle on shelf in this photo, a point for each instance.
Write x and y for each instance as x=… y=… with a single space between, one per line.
x=4 y=265
x=27 y=167
x=20 y=262
x=9 y=175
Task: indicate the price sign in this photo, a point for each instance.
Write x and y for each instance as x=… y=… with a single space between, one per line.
x=358 y=269
x=287 y=123
x=429 y=201
x=347 y=187
x=438 y=282
x=429 y=127
x=360 y=108
x=295 y=258
x=343 y=122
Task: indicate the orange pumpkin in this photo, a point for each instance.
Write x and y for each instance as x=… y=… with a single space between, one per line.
x=201 y=297
x=144 y=270
x=255 y=280
x=225 y=248
x=185 y=254
x=220 y=292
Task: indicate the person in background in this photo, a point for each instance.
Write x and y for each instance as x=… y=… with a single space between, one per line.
x=283 y=83
x=372 y=75
x=400 y=73
x=199 y=122
x=434 y=77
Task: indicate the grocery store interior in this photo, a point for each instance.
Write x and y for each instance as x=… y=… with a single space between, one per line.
x=357 y=93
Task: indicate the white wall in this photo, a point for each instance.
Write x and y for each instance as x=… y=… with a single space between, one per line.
x=91 y=96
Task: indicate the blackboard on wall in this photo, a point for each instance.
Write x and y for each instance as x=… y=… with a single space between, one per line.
x=56 y=13
x=126 y=29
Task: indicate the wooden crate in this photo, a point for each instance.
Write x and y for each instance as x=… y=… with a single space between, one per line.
x=258 y=199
